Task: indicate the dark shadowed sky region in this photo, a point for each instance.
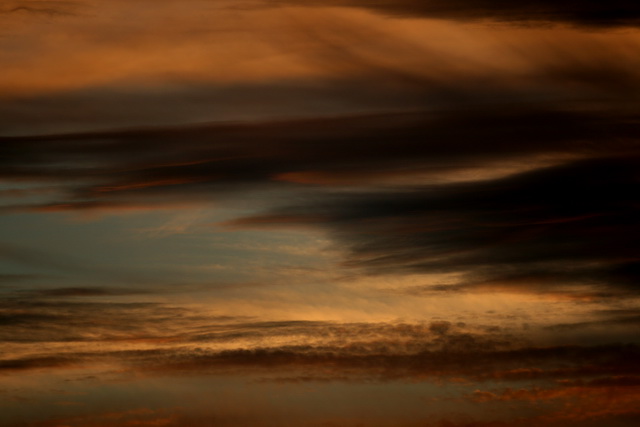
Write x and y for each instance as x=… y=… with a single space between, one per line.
x=264 y=213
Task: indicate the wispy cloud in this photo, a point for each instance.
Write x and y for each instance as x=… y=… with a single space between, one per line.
x=589 y=14
x=566 y=221
x=462 y=176
x=165 y=338
x=552 y=227
x=183 y=164
x=49 y=8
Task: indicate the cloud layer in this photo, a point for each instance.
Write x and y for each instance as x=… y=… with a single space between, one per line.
x=525 y=197
x=583 y=13
x=461 y=178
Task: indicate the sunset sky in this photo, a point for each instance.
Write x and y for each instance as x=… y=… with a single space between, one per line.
x=389 y=213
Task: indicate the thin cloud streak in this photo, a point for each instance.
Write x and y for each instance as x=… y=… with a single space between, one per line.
x=595 y=14
x=48 y=8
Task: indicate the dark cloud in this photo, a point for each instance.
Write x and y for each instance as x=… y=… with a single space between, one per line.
x=620 y=381
x=194 y=163
x=545 y=229
x=473 y=361
x=38 y=363
x=564 y=225
x=605 y=319
x=590 y=13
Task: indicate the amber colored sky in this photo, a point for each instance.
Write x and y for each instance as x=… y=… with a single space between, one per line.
x=319 y=213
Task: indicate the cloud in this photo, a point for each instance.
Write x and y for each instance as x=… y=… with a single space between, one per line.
x=472 y=361
x=138 y=417
x=192 y=163
x=48 y=334
x=49 y=8
x=550 y=228
x=604 y=319
x=49 y=316
x=504 y=157
x=160 y=341
x=58 y=316
x=565 y=389
x=601 y=399
x=85 y=292
x=319 y=62
x=519 y=106
x=550 y=209
x=617 y=13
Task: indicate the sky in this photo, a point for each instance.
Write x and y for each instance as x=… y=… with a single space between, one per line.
x=386 y=213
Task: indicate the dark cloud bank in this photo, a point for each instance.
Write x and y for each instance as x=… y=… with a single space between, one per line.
x=571 y=220
x=589 y=13
x=569 y=224
x=203 y=159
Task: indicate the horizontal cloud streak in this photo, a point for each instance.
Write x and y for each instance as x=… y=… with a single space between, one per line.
x=50 y=8
x=150 y=342
x=590 y=13
x=471 y=360
x=165 y=338
x=558 y=226
x=191 y=161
